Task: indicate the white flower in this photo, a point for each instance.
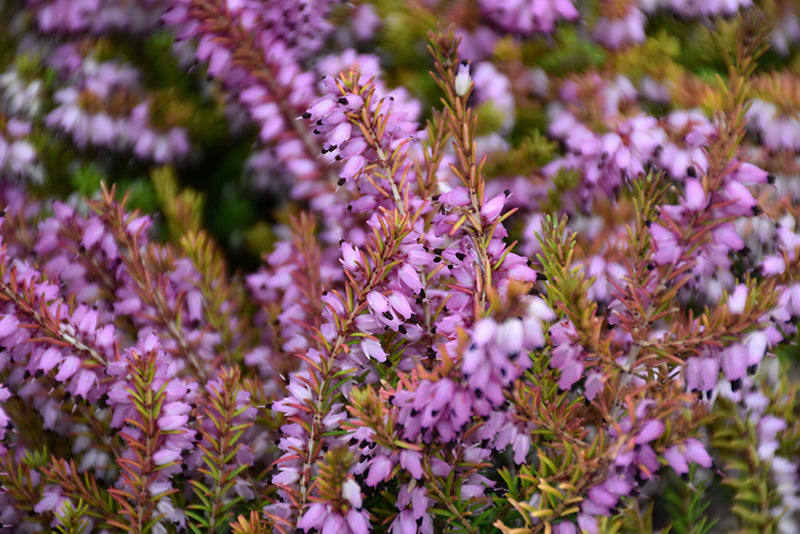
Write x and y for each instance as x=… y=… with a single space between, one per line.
x=463 y=79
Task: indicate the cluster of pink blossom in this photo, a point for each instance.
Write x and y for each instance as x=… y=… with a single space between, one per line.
x=17 y=155
x=97 y=16
x=528 y=16
x=395 y=361
x=777 y=130
x=694 y=9
x=103 y=105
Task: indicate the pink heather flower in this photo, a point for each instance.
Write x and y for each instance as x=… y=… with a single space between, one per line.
x=400 y=305
x=700 y=374
x=650 y=431
x=411 y=461
x=616 y=33
x=379 y=470
x=679 y=456
x=725 y=235
x=777 y=130
x=352 y=167
x=68 y=367
x=172 y=422
x=82 y=383
x=565 y=527
x=756 y=344
x=734 y=363
x=166 y=456
x=372 y=349
x=52 y=501
x=749 y=174
x=404 y=523
x=696 y=198
x=8 y=325
x=493 y=86
x=494 y=207
x=351 y=492
x=313 y=517
x=594 y=385
x=475 y=486
x=351 y=256
x=377 y=302
x=357 y=521
x=570 y=374
x=455 y=197
x=773 y=265
x=738 y=299
x=588 y=523
x=528 y=16
x=666 y=244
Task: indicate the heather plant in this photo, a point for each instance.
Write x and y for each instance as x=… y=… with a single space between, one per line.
x=525 y=266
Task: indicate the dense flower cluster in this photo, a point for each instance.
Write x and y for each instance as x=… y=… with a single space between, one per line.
x=543 y=276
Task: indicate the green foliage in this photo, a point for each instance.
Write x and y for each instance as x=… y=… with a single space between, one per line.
x=746 y=474
x=655 y=58
x=525 y=158
x=72 y=519
x=217 y=501
x=569 y=53
x=86 y=179
x=686 y=504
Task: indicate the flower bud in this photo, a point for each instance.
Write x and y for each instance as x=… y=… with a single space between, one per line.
x=463 y=79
